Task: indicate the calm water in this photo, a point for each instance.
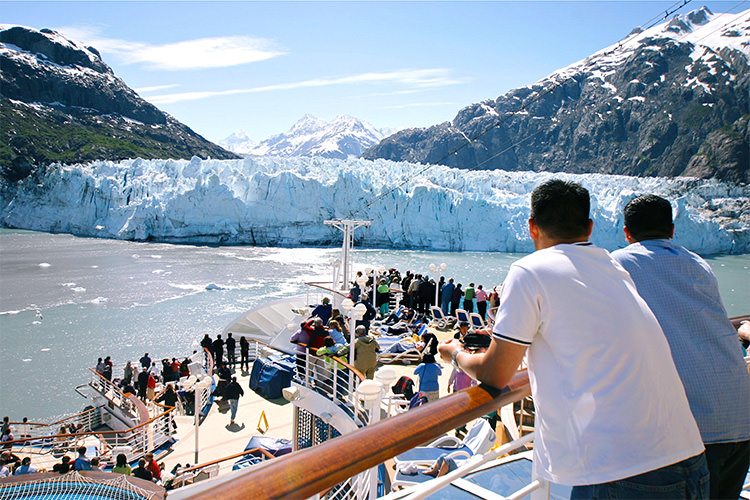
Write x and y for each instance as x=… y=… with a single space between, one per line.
x=66 y=301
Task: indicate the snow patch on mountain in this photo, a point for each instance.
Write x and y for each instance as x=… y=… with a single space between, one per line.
x=708 y=33
x=343 y=137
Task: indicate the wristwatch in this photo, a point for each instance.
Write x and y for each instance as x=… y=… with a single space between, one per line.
x=454 y=362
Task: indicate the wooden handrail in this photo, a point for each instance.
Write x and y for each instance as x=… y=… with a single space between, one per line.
x=92 y=433
x=293 y=476
x=230 y=457
x=319 y=284
x=737 y=320
x=71 y=416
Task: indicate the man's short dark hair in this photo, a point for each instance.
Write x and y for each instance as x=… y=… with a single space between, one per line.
x=649 y=217
x=561 y=209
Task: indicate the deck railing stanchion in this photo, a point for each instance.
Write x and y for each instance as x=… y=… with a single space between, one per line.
x=371 y=392
x=199 y=388
x=387 y=375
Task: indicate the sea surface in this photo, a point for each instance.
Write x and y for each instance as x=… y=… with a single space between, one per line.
x=65 y=301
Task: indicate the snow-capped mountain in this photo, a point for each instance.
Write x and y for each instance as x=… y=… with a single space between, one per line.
x=239 y=142
x=284 y=201
x=670 y=100
x=342 y=137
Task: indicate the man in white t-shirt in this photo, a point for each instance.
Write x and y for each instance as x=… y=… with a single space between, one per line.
x=612 y=418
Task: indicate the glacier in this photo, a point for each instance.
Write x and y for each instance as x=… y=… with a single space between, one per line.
x=273 y=201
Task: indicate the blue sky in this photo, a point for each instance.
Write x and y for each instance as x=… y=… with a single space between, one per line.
x=259 y=66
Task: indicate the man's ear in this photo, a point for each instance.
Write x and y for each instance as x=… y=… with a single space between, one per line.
x=533 y=229
x=671 y=232
x=591 y=229
x=629 y=236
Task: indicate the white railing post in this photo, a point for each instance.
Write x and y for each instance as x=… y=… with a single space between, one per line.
x=307 y=366
x=371 y=392
x=334 y=378
x=542 y=492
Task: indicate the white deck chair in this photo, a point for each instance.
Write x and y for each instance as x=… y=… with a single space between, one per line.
x=462 y=315
x=478 y=440
x=439 y=319
x=476 y=321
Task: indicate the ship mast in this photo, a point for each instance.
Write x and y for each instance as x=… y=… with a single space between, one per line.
x=341 y=281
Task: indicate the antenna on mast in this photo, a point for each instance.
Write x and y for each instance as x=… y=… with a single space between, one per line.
x=348 y=227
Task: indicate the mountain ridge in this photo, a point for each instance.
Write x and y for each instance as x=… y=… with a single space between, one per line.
x=342 y=137
x=61 y=102
x=667 y=101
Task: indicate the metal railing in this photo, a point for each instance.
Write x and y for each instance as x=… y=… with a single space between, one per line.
x=207 y=470
x=112 y=392
x=347 y=456
x=344 y=457
x=138 y=440
x=84 y=421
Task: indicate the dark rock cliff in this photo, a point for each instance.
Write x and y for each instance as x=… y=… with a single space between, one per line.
x=658 y=105
x=60 y=102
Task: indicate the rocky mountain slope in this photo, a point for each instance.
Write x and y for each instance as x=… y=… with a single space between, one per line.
x=673 y=100
x=60 y=102
x=342 y=137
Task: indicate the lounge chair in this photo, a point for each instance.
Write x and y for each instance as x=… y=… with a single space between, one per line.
x=476 y=321
x=501 y=478
x=462 y=315
x=408 y=474
x=478 y=440
x=439 y=319
x=491 y=312
x=399 y=349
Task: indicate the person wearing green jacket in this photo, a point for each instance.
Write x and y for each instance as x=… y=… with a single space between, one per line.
x=331 y=348
x=469 y=298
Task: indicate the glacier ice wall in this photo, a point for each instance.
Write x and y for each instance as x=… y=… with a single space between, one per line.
x=283 y=202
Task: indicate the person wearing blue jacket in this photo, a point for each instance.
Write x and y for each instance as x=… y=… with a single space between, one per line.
x=428 y=372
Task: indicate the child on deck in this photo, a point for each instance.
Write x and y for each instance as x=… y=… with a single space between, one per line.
x=428 y=372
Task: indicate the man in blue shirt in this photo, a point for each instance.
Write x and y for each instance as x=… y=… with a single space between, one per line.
x=323 y=310
x=447 y=292
x=682 y=291
x=82 y=463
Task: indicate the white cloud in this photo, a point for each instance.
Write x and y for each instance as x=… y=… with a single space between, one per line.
x=143 y=90
x=200 y=53
x=421 y=105
x=421 y=78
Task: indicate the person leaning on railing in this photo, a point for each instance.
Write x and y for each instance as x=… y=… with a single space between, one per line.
x=743 y=333
x=682 y=291
x=608 y=398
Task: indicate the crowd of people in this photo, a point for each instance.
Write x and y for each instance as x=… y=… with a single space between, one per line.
x=418 y=292
x=636 y=372
x=147 y=468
